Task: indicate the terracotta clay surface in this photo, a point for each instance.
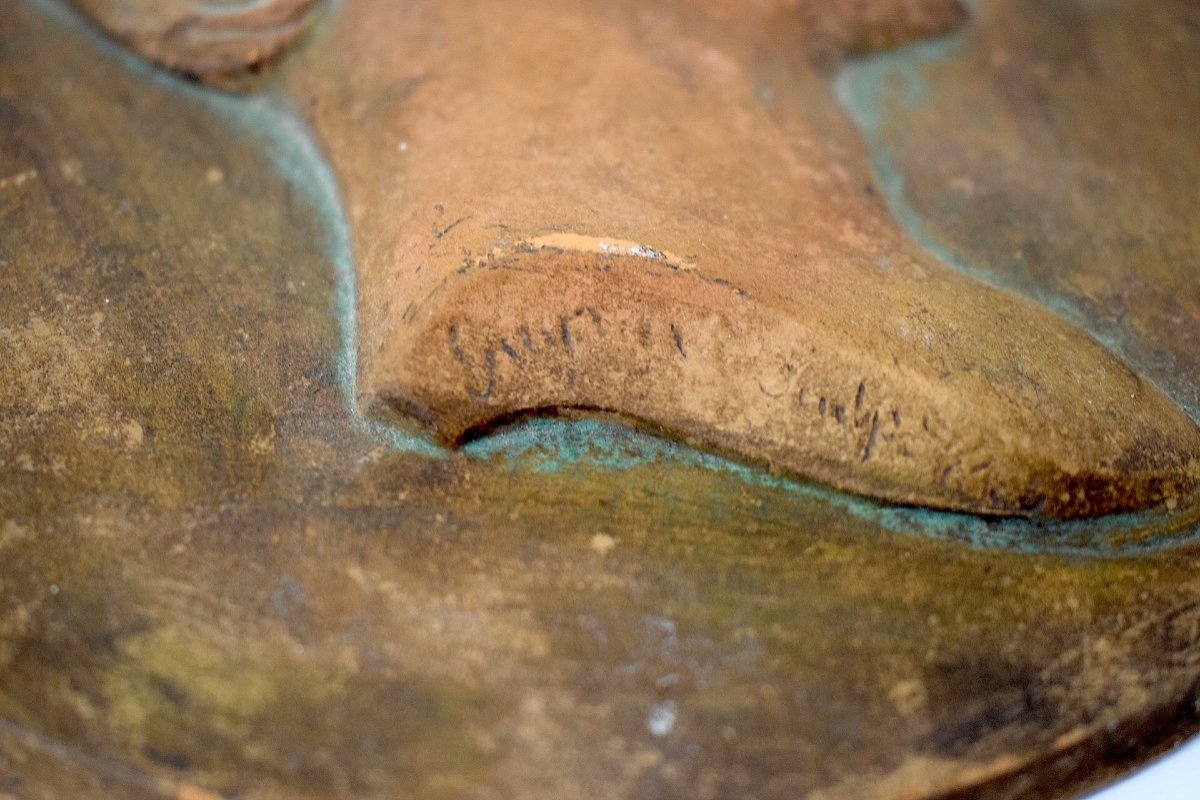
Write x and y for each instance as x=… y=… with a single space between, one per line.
x=219 y=41
x=658 y=211
x=797 y=325
x=218 y=580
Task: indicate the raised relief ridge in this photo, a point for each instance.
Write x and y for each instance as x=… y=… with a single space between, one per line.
x=659 y=211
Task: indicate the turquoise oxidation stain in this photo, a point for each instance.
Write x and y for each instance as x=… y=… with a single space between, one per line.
x=554 y=445
x=889 y=83
x=875 y=92
x=872 y=88
x=865 y=87
x=270 y=124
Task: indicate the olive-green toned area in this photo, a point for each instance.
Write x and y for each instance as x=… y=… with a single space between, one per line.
x=216 y=582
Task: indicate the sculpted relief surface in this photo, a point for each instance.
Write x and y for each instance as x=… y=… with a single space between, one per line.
x=574 y=399
x=660 y=212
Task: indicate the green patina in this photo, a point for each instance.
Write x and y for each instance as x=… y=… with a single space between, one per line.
x=865 y=87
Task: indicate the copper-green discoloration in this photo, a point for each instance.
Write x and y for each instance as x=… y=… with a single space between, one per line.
x=213 y=580
x=1054 y=151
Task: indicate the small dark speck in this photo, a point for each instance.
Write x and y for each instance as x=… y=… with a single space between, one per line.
x=450 y=227
x=869 y=189
x=896 y=417
x=860 y=396
x=177 y=761
x=510 y=351
x=873 y=438
x=565 y=330
x=678 y=340
x=456 y=344
x=839 y=413
x=821 y=406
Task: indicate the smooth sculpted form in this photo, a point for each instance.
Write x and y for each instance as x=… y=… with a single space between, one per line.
x=659 y=211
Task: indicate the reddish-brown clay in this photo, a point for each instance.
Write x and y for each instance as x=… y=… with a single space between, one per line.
x=660 y=212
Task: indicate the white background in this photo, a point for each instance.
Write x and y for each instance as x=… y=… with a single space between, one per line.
x=1174 y=776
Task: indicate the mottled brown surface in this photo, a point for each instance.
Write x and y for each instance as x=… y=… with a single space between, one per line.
x=215 y=583
x=794 y=324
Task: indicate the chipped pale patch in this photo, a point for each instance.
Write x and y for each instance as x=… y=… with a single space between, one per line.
x=264 y=444
x=12 y=532
x=909 y=697
x=578 y=243
x=18 y=180
x=133 y=434
x=603 y=544
x=72 y=170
